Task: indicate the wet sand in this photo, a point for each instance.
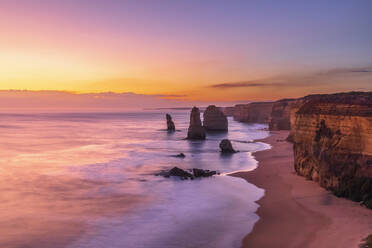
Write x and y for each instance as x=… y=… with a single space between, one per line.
x=296 y=212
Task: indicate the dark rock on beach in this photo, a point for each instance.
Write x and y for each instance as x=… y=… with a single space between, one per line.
x=196 y=130
x=226 y=146
x=170 y=124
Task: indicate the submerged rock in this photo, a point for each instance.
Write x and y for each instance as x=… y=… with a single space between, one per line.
x=177 y=172
x=170 y=124
x=214 y=119
x=203 y=173
x=180 y=155
x=226 y=146
x=196 y=173
x=196 y=130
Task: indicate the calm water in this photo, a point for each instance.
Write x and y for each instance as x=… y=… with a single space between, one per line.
x=87 y=180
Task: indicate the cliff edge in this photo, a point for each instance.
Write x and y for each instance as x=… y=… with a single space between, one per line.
x=332 y=142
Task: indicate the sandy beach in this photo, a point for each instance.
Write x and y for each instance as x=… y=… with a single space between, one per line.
x=296 y=212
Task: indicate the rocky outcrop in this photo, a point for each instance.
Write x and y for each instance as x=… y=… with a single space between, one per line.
x=170 y=124
x=255 y=112
x=214 y=119
x=196 y=130
x=226 y=146
x=280 y=114
x=184 y=175
x=332 y=141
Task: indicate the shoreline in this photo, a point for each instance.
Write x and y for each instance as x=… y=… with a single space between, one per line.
x=295 y=212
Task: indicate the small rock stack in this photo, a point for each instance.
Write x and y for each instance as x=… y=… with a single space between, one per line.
x=226 y=146
x=170 y=124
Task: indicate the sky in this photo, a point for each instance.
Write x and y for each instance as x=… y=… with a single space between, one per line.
x=185 y=50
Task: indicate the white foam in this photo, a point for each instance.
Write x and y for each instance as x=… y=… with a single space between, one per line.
x=214 y=212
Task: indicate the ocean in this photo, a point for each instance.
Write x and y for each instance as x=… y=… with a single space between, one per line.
x=87 y=180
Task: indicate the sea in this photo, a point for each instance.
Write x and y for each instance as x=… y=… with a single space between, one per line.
x=88 y=180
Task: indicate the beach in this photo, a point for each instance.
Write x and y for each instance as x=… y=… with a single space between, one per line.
x=296 y=212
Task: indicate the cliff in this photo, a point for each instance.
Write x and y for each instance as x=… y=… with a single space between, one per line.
x=255 y=112
x=280 y=114
x=214 y=119
x=332 y=142
x=228 y=111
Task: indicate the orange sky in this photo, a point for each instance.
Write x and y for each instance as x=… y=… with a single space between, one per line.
x=193 y=51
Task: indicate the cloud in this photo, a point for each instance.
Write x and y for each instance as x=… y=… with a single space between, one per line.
x=311 y=80
x=63 y=100
x=246 y=84
x=347 y=71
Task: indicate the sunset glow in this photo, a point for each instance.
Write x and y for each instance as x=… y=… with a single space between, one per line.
x=184 y=48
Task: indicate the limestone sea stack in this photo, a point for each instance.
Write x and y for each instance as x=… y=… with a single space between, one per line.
x=255 y=112
x=170 y=124
x=332 y=141
x=226 y=146
x=214 y=119
x=196 y=130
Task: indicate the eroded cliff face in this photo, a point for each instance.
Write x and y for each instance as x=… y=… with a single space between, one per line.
x=255 y=112
x=228 y=111
x=332 y=141
x=280 y=114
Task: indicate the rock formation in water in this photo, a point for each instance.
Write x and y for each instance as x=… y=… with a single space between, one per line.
x=280 y=114
x=226 y=146
x=170 y=124
x=184 y=175
x=196 y=130
x=214 y=119
x=179 y=155
x=255 y=112
x=332 y=142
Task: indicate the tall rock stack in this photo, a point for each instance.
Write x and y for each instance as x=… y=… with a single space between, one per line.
x=170 y=124
x=214 y=119
x=196 y=130
x=332 y=143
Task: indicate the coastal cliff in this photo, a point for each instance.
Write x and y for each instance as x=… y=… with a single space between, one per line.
x=332 y=142
x=228 y=111
x=280 y=114
x=255 y=112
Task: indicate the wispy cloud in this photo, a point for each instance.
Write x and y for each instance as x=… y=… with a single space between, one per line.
x=301 y=81
x=247 y=84
x=25 y=99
